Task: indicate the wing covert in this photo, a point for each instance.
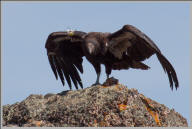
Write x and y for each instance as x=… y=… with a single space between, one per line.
x=131 y=40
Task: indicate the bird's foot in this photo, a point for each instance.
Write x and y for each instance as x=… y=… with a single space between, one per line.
x=95 y=84
x=111 y=81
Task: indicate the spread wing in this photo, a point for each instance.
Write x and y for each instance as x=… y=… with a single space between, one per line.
x=65 y=56
x=135 y=44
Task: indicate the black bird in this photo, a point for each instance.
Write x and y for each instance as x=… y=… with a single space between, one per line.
x=123 y=49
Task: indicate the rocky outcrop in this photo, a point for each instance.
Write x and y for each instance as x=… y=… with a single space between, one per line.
x=99 y=105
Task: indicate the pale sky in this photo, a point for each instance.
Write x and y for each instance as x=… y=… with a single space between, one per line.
x=26 y=25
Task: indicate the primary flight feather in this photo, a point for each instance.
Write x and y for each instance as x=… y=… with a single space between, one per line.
x=123 y=49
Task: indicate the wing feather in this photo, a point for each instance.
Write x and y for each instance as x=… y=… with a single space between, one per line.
x=59 y=70
x=139 y=47
x=51 y=62
x=66 y=73
x=65 y=56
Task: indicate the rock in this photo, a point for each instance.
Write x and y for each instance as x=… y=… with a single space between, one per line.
x=114 y=105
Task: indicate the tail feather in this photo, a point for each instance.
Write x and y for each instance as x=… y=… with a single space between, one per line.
x=168 y=68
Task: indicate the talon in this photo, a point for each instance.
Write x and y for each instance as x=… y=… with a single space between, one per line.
x=111 y=81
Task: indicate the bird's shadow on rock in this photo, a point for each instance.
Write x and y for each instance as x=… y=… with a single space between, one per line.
x=63 y=93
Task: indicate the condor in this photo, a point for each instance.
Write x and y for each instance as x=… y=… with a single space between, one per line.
x=123 y=49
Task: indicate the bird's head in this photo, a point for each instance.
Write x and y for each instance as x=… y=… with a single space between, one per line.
x=93 y=46
x=93 y=43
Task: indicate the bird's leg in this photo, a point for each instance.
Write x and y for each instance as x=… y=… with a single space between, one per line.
x=98 y=71
x=97 y=80
x=107 y=76
x=107 y=70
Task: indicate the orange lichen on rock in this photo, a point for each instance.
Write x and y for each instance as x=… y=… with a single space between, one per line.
x=117 y=87
x=35 y=122
x=95 y=123
x=150 y=108
x=155 y=115
x=38 y=123
x=122 y=107
x=103 y=124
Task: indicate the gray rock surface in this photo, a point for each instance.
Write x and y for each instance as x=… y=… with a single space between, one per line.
x=93 y=106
